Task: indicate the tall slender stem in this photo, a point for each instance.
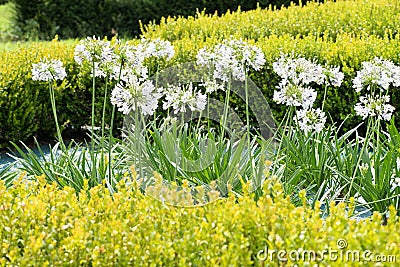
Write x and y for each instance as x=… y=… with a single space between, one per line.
x=53 y=107
x=110 y=176
x=323 y=101
x=287 y=125
x=225 y=115
x=92 y=155
x=366 y=140
x=102 y=128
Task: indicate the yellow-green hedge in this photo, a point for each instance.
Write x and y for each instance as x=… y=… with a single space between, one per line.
x=25 y=104
x=328 y=19
x=26 y=107
x=41 y=225
x=353 y=32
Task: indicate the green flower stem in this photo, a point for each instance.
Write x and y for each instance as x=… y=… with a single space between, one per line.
x=102 y=127
x=247 y=116
x=137 y=138
x=225 y=115
x=53 y=107
x=323 y=100
x=156 y=85
x=287 y=124
x=110 y=176
x=366 y=141
x=92 y=153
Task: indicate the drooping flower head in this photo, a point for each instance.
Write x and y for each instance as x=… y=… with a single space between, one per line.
x=48 y=70
x=93 y=49
x=379 y=73
x=374 y=106
x=310 y=119
x=181 y=97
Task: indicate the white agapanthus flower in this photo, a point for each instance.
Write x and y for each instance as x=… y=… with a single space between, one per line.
x=370 y=106
x=103 y=70
x=212 y=86
x=124 y=73
x=310 y=119
x=127 y=54
x=333 y=76
x=135 y=94
x=156 y=48
x=380 y=73
x=249 y=56
x=231 y=59
x=299 y=70
x=93 y=49
x=181 y=97
x=294 y=95
x=225 y=64
x=205 y=57
x=48 y=70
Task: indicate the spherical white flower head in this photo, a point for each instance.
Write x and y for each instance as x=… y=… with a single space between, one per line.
x=231 y=59
x=310 y=119
x=128 y=54
x=156 y=48
x=299 y=70
x=377 y=73
x=181 y=97
x=249 y=56
x=124 y=73
x=135 y=94
x=294 y=95
x=48 y=70
x=371 y=106
x=205 y=57
x=121 y=98
x=93 y=50
x=333 y=76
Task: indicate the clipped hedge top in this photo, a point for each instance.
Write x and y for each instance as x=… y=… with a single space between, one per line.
x=317 y=19
x=41 y=225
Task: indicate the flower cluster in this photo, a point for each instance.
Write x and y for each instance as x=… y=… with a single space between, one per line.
x=370 y=106
x=378 y=74
x=302 y=71
x=182 y=96
x=124 y=63
x=233 y=58
x=93 y=49
x=311 y=119
x=135 y=93
x=156 y=48
x=295 y=95
x=48 y=70
x=298 y=74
